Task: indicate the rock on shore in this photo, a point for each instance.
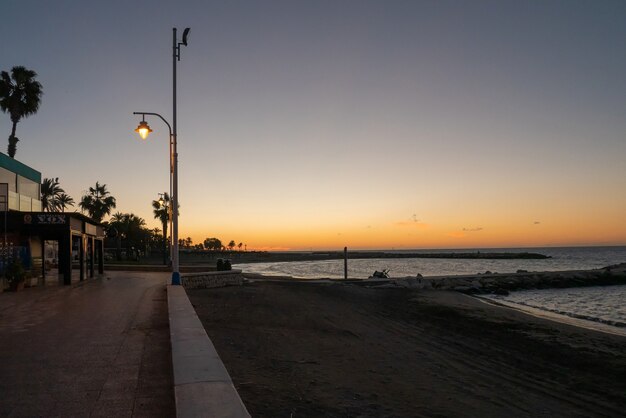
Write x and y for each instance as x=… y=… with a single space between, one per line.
x=502 y=283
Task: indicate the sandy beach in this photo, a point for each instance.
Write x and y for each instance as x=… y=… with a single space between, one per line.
x=297 y=349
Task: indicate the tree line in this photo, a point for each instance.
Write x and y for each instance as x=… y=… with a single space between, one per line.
x=212 y=244
x=127 y=228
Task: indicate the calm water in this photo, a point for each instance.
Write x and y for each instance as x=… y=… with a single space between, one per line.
x=604 y=304
x=570 y=258
x=594 y=305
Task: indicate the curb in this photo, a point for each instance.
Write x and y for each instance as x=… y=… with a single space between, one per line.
x=202 y=385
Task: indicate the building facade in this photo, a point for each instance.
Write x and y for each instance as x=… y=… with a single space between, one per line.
x=27 y=231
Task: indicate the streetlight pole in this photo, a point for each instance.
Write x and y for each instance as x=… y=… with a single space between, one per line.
x=143 y=129
x=174 y=154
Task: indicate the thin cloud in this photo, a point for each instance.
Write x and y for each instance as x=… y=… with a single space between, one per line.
x=271 y=248
x=536 y=223
x=472 y=229
x=413 y=222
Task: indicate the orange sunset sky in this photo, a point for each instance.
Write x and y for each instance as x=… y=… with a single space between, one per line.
x=319 y=125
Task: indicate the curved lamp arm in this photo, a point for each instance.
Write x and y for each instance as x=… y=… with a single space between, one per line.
x=155 y=114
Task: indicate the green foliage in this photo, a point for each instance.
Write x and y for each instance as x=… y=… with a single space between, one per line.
x=15 y=272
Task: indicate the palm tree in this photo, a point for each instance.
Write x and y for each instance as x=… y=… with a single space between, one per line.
x=116 y=225
x=129 y=227
x=161 y=212
x=63 y=201
x=50 y=190
x=20 y=96
x=231 y=245
x=155 y=238
x=98 y=202
x=53 y=197
x=136 y=234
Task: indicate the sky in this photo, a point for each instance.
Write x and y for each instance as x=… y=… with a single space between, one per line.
x=323 y=124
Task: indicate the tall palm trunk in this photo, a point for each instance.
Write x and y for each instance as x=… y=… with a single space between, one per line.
x=12 y=148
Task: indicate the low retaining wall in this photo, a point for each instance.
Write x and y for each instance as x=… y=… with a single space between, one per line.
x=158 y=267
x=202 y=386
x=209 y=279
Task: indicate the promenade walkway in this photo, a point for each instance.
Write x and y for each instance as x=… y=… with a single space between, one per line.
x=99 y=349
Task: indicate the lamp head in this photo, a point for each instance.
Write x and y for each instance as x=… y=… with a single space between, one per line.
x=185 y=34
x=143 y=129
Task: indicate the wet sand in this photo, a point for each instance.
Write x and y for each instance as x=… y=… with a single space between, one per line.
x=298 y=349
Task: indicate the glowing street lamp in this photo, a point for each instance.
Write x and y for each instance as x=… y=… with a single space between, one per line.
x=143 y=130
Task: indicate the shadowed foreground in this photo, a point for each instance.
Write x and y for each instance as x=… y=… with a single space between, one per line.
x=100 y=349
x=310 y=350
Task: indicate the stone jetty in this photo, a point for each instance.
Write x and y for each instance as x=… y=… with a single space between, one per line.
x=502 y=283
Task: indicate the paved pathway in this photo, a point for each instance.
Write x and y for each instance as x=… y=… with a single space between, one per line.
x=100 y=349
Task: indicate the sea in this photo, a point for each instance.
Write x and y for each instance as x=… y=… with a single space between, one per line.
x=602 y=308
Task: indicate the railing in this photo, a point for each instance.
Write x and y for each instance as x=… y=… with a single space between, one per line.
x=23 y=203
x=36 y=205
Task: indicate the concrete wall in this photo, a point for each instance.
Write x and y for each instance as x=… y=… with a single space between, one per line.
x=202 y=386
x=211 y=279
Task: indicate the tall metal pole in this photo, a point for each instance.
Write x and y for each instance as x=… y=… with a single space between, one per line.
x=175 y=266
x=169 y=203
x=345 y=263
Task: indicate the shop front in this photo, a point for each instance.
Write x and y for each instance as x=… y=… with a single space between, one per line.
x=78 y=242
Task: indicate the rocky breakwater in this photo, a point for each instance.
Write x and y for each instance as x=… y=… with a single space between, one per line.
x=502 y=283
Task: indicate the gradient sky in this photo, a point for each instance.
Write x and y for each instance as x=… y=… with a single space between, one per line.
x=320 y=124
